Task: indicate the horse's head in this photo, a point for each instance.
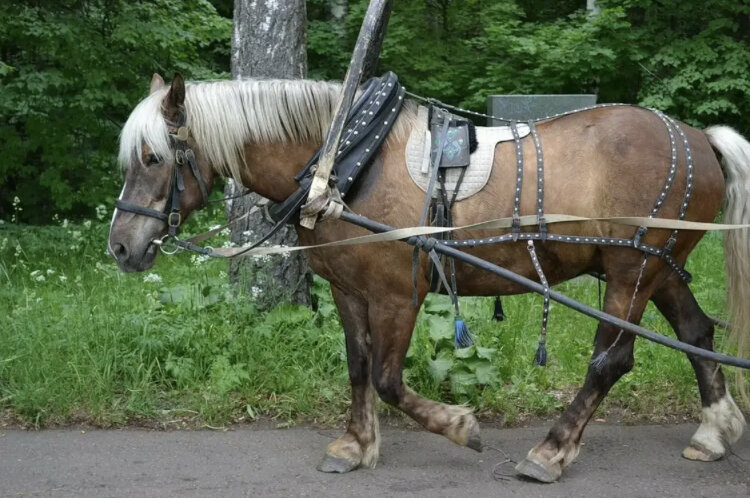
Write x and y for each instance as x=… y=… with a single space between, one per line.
x=166 y=177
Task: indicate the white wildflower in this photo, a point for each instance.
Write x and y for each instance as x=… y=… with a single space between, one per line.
x=76 y=235
x=101 y=211
x=255 y=291
x=16 y=201
x=198 y=259
x=225 y=232
x=37 y=276
x=50 y=272
x=63 y=278
x=152 y=278
x=87 y=224
x=65 y=223
x=2 y=222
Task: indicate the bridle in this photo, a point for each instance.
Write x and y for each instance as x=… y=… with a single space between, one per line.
x=183 y=155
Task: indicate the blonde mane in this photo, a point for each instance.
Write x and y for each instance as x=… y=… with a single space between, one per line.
x=224 y=116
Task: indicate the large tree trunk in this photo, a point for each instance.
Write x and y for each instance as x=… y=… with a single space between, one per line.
x=269 y=41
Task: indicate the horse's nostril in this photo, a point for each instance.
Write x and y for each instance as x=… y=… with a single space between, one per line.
x=120 y=252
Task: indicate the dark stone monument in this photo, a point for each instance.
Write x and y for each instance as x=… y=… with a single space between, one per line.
x=523 y=107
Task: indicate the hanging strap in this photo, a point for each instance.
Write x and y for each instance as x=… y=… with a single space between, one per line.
x=435 y=167
x=541 y=353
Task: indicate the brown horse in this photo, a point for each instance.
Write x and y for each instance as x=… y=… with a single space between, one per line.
x=603 y=162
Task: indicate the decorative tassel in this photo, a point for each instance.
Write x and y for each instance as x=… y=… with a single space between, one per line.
x=463 y=337
x=600 y=361
x=499 y=315
x=540 y=360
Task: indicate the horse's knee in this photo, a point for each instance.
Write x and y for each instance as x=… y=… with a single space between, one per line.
x=617 y=364
x=626 y=363
x=389 y=387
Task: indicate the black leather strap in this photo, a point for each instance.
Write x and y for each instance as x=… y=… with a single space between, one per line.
x=140 y=210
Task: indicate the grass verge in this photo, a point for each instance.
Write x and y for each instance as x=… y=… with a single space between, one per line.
x=81 y=341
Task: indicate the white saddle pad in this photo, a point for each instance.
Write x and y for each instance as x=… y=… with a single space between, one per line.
x=418 y=156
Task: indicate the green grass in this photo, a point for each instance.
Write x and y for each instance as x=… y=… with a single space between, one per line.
x=80 y=341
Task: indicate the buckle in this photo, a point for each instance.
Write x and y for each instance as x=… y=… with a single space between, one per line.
x=669 y=246
x=515 y=227
x=179 y=157
x=167 y=244
x=182 y=133
x=172 y=216
x=639 y=236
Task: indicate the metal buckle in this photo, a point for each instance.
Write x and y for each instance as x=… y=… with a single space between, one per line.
x=179 y=157
x=170 y=219
x=182 y=133
x=167 y=244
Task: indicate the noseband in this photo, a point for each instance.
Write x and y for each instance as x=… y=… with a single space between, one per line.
x=183 y=154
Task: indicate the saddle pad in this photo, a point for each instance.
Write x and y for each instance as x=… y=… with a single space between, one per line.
x=477 y=174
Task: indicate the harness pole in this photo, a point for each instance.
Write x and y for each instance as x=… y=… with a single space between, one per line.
x=365 y=53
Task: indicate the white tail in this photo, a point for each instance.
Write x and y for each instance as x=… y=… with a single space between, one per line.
x=735 y=152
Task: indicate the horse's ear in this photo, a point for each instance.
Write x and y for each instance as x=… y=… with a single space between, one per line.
x=176 y=96
x=157 y=82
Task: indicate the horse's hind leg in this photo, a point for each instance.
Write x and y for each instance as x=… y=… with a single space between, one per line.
x=722 y=422
x=360 y=444
x=391 y=324
x=562 y=444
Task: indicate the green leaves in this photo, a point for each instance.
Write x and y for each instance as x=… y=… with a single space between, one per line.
x=464 y=369
x=70 y=74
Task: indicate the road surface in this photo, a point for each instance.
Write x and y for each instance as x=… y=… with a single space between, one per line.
x=616 y=460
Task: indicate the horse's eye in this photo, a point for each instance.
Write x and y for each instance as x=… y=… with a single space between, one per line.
x=153 y=160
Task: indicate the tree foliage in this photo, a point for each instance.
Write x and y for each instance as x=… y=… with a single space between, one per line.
x=71 y=70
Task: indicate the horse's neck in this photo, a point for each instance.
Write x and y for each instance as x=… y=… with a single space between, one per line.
x=270 y=168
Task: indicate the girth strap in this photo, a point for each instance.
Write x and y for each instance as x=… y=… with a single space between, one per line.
x=437 y=154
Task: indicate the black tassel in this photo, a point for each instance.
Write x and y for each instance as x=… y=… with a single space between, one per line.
x=499 y=315
x=463 y=337
x=540 y=359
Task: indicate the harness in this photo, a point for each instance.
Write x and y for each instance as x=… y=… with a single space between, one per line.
x=367 y=126
x=368 y=123
x=183 y=155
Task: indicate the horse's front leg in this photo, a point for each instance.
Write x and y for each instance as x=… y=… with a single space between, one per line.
x=359 y=445
x=392 y=321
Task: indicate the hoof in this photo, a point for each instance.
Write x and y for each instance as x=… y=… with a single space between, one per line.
x=331 y=464
x=696 y=452
x=537 y=471
x=475 y=439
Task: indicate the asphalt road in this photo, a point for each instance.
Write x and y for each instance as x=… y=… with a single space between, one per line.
x=616 y=460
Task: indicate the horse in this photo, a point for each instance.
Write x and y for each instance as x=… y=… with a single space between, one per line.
x=603 y=162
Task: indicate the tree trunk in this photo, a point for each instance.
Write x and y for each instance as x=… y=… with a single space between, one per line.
x=269 y=41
